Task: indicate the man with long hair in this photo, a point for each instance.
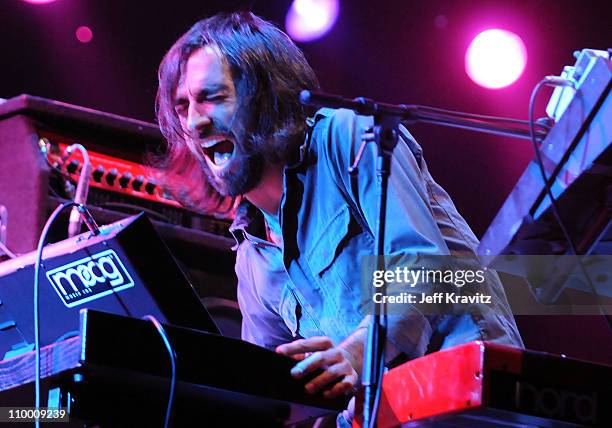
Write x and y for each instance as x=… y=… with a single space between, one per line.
x=228 y=106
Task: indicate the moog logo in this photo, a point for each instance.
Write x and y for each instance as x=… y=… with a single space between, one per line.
x=90 y=278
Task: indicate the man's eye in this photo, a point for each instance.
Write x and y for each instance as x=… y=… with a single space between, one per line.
x=215 y=98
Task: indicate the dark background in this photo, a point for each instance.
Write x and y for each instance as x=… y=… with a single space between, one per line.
x=387 y=50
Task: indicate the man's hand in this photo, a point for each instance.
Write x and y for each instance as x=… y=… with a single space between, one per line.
x=338 y=363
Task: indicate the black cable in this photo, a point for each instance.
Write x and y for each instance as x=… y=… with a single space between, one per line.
x=56 y=168
x=172 y=354
x=134 y=207
x=37 y=265
x=553 y=201
x=62 y=174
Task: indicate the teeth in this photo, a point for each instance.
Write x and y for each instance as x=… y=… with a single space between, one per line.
x=221 y=158
x=209 y=144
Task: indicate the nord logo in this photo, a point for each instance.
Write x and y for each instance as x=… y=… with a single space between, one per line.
x=90 y=278
x=556 y=403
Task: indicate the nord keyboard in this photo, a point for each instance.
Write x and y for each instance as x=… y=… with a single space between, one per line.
x=480 y=384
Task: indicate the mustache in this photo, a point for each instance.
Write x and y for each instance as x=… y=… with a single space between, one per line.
x=217 y=129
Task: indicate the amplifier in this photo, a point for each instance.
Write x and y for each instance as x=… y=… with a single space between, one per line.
x=34 y=179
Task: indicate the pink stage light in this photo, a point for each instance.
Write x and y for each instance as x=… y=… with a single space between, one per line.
x=84 y=34
x=308 y=20
x=38 y=1
x=495 y=58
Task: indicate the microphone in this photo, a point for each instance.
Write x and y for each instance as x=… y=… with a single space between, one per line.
x=80 y=195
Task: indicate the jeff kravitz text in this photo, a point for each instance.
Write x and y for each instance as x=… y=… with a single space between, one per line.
x=435 y=298
x=417 y=279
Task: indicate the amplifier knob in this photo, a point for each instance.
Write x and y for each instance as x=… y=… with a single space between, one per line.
x=138 y=182
x=125 y=179
x=98 y=173
x=73 y=166
x=112 y=176
x=150 y=188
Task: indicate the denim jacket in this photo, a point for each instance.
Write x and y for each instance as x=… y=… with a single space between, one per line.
x=311 y=286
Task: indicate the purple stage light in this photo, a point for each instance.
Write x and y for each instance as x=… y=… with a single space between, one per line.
x=38 y=1
x=308 y=20
x=495 y=58
x=84 y=34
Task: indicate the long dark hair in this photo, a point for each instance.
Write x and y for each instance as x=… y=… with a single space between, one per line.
x=268 y=71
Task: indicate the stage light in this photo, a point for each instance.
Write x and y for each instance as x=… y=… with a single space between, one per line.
x=308 y=20
x=495 y=58
x=38 y=1
x=84 y=34
x=441 y=21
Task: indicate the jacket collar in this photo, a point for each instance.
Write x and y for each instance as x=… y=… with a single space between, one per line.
x=248 y=217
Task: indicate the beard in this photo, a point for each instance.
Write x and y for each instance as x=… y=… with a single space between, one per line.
x=245 y=171
x=241 y=178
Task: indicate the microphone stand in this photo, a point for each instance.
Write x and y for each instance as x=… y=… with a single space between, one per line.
x=411 y=113
x=387 y=118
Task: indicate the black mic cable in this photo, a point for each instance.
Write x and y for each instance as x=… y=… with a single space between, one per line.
x=162 y=332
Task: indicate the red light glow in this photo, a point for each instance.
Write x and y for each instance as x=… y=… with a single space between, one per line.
x=38 y=1
x=84 y=34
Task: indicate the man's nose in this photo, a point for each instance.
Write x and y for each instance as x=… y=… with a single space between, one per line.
x=198 y=120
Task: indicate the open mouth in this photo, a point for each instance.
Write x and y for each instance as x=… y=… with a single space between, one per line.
x=218 y=152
